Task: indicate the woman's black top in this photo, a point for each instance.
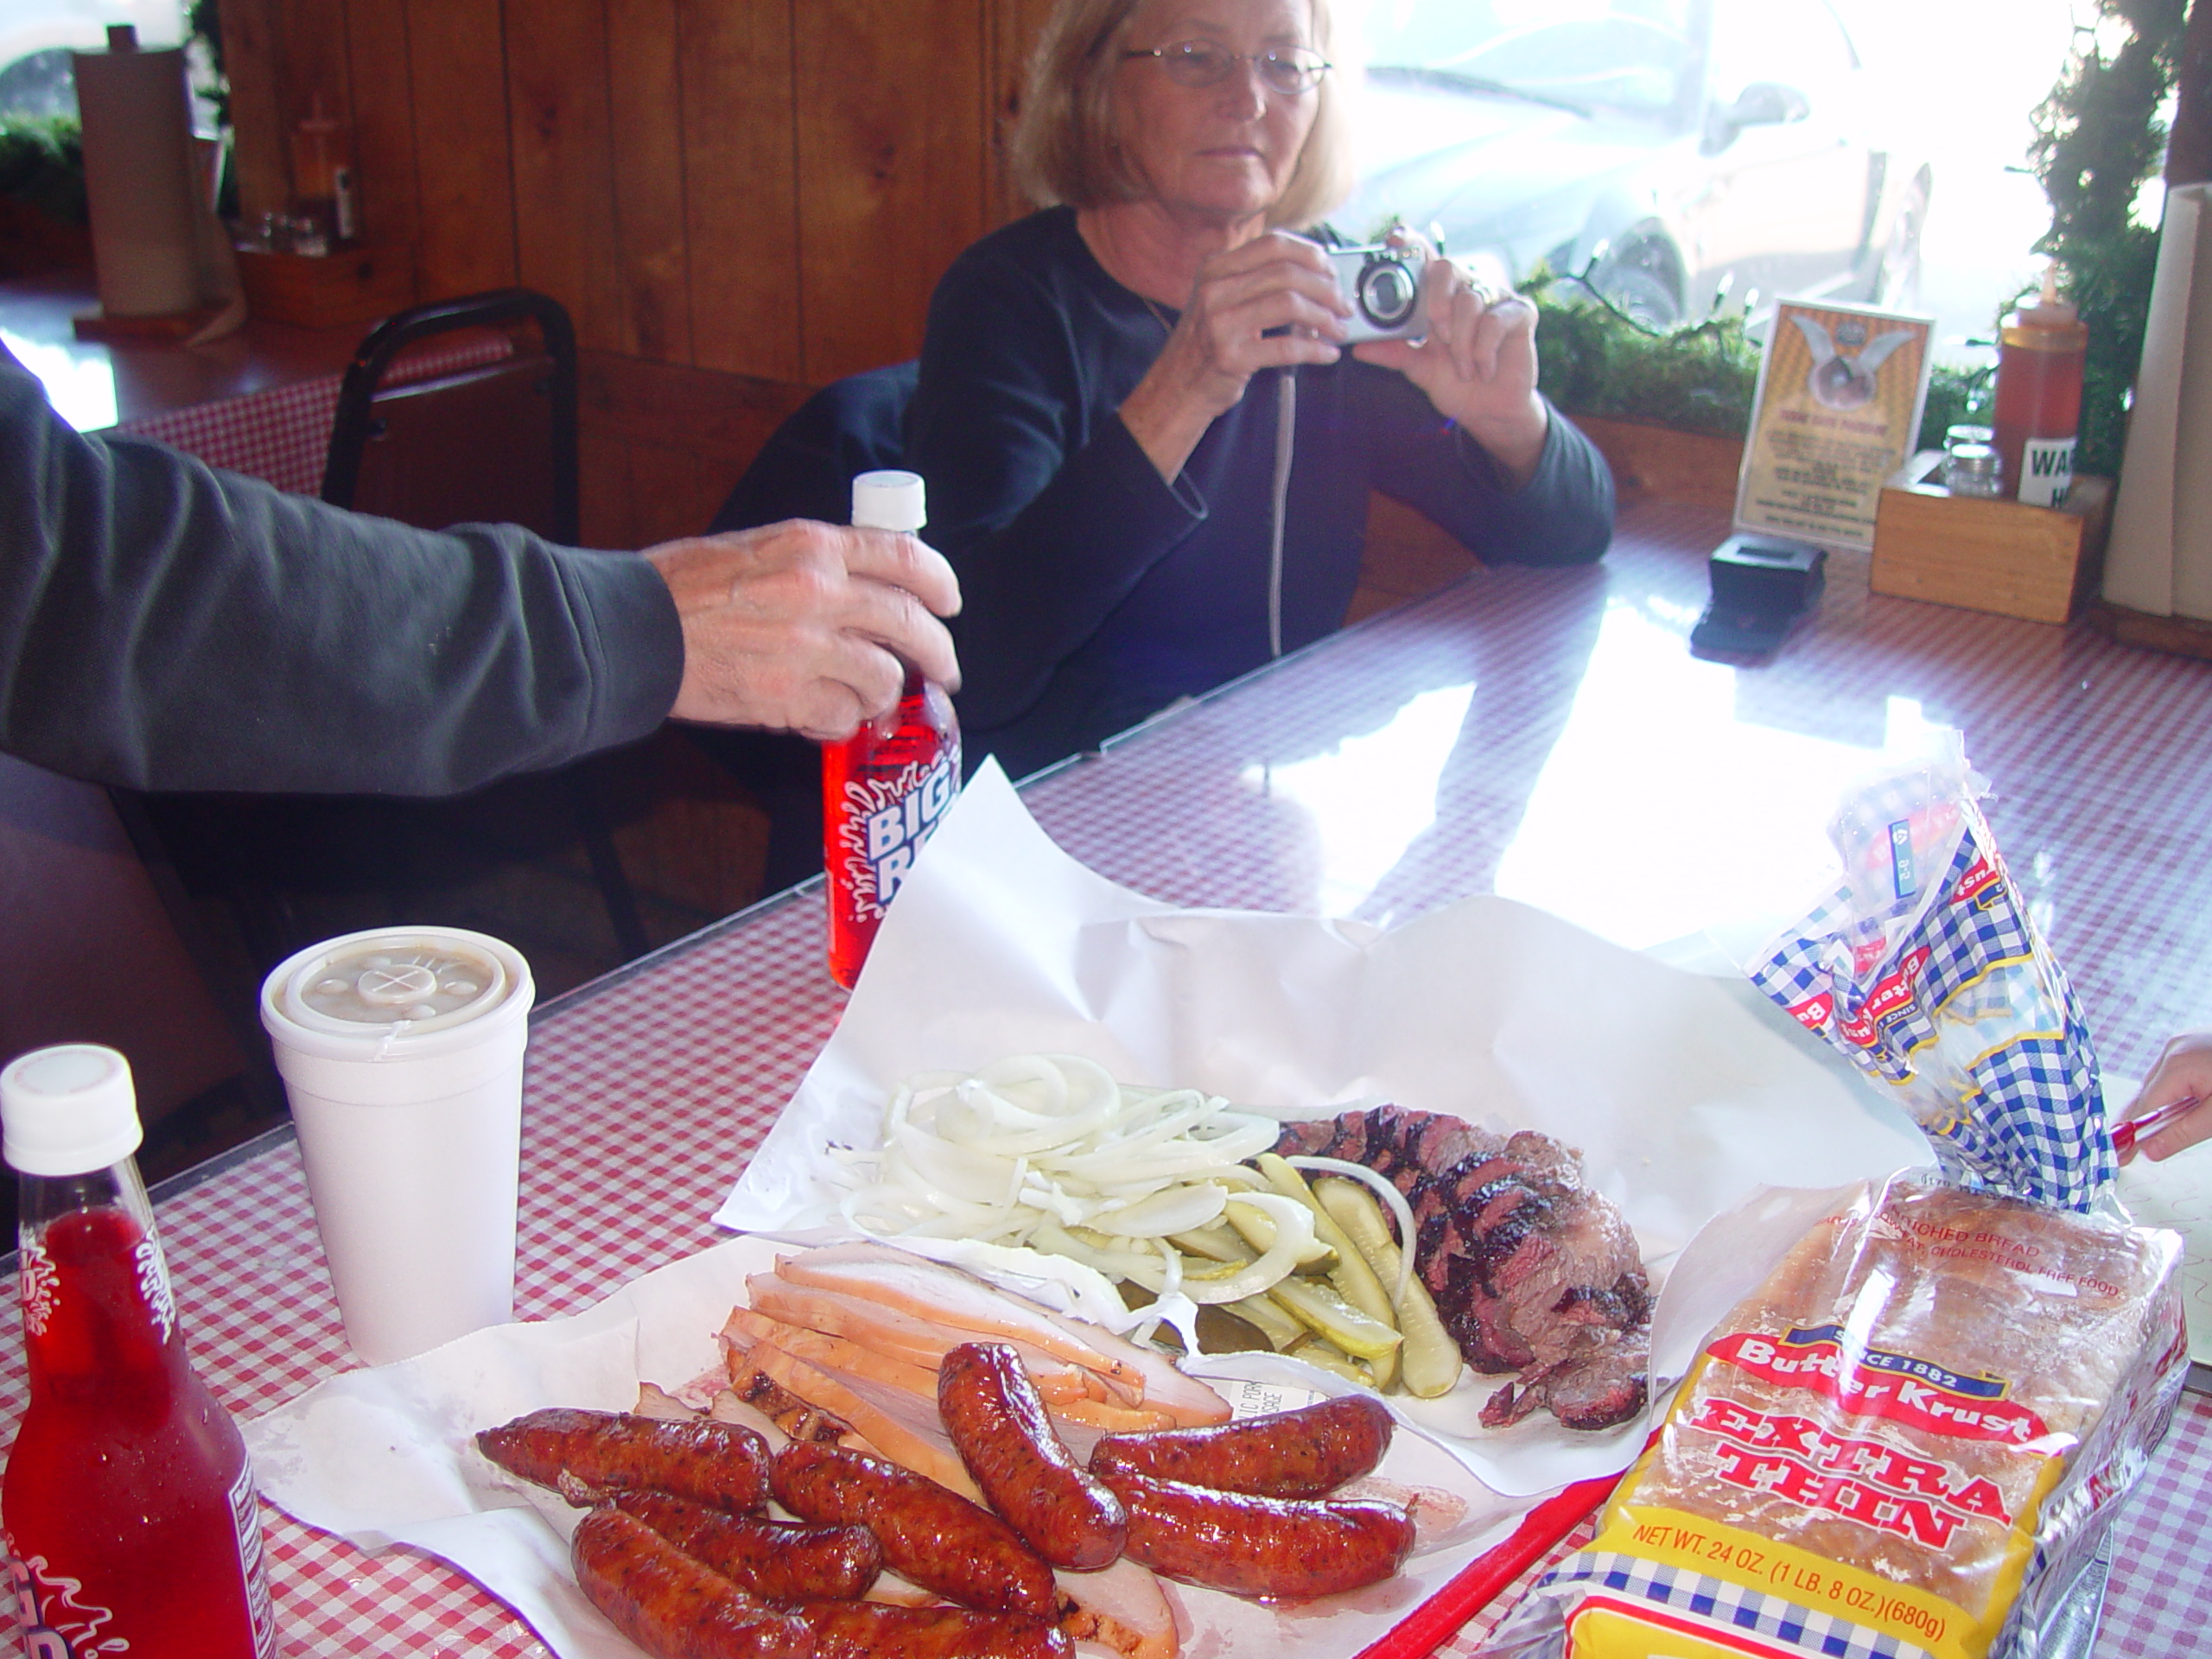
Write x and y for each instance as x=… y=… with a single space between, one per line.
x=1095 y=592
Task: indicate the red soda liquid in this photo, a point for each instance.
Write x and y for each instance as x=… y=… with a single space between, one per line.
x=883 y=791
x=129 y=1505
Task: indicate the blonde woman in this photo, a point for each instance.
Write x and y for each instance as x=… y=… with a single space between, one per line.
x=1148 y=451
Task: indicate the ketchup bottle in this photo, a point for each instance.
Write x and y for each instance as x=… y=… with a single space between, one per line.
x=884 y=787
x=2039 y=356
x=131 y=1522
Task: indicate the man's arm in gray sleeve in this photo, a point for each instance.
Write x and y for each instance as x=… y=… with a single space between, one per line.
x=166 y=625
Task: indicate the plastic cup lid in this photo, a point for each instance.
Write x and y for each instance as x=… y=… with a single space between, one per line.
x=419 y=979
x=68 y=1110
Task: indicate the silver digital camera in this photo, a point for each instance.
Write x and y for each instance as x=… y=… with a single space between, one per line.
x=1382 y=286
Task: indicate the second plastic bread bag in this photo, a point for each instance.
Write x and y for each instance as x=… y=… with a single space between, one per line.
x=1925 y=967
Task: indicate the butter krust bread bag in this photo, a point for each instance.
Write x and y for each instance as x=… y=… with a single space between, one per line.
x=1906 y=1442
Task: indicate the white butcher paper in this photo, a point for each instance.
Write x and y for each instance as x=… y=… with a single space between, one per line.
x=388 y=1457
x=1686 y=1093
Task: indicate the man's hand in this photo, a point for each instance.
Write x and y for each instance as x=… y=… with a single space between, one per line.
x=2183 y=1073
x=806 y=626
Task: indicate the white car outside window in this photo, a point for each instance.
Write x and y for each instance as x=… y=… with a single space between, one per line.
x=30 y=28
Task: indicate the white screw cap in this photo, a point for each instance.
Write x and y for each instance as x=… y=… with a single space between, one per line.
x=889 y=500
x=68 y=1110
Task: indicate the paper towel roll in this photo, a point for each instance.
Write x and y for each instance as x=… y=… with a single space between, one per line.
x=138 y=176
x=2160 y=557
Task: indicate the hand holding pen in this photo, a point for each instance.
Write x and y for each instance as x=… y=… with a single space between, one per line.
x=2174 y=1110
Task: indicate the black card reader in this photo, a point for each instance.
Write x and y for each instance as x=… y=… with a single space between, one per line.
x=1763 y=587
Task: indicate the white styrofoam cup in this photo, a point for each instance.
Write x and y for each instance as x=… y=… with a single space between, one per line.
x=401 y=1050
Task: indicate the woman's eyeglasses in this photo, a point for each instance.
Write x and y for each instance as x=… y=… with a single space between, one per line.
x=1289 y=70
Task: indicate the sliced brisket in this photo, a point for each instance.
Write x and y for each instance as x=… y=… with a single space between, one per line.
x=1531 y=1271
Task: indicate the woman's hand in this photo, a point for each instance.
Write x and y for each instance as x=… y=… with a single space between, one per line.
x=2184 y=1072
x=1478 y=365
x=1273 y=281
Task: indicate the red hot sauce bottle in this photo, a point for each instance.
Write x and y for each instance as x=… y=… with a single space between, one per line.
x=884 y=787
x=129 y=1506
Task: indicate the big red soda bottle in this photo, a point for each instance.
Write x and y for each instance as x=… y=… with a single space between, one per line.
x=884 y=787
x=129 y=1507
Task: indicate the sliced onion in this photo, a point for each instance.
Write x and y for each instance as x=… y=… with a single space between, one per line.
x=1139 y=1267
x=1294 y=1237
x=945 y=1165
x=1055 y=1281
x=1172 y=1210
x=1048 y=1152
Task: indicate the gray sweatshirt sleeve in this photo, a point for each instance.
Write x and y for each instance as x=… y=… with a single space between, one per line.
x=166 y=625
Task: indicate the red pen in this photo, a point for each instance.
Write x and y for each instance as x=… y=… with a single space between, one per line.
x=2125 y=1136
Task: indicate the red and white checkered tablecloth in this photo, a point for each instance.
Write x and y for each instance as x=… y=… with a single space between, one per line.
x=646 y=1091
x=2159 y=1605
x=281 y=435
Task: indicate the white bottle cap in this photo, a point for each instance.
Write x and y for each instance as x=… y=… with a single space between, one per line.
x=889 y=500
x=68 y=1110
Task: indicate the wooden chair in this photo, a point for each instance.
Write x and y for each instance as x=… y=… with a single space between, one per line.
x=492 y=442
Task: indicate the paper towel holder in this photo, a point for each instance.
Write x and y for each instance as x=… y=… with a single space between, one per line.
x=142 y=179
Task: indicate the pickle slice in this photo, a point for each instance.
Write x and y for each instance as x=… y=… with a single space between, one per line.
x=1318 y=1305
x=1350 y=1274
x=1429 y=1362
x=1260 y=1232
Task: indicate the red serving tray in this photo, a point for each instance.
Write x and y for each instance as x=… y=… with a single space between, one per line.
x=1428 y=1625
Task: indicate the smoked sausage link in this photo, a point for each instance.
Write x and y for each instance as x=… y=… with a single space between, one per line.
x=867 y=1629
x=772 y=1559
x=1277 y=1549
x=1000 y=1427
x=723 y=1466
x=1302 y=1453
x=670 y=1604
x=935 y=1537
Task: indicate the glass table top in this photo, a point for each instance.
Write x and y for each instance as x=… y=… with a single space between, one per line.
x=1547 y=735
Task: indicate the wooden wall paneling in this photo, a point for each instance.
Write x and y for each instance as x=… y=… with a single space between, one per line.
x=457 y=66
x=702 y=843
x=741 y=184
x=724 y=416
x=384 y=120
x=676 y=492
x=252 y=61
x=644 y=99
x=315 y=74
x=1010 y=35
x=603 y=489
x=891 y=169
x=1406 y=555
x=564 y=163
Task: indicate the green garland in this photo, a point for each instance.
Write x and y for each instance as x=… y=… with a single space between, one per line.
x=1700 y=378
x=1595 y=359
x=205 y=20
x=42 y=161
x=2099 y=140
